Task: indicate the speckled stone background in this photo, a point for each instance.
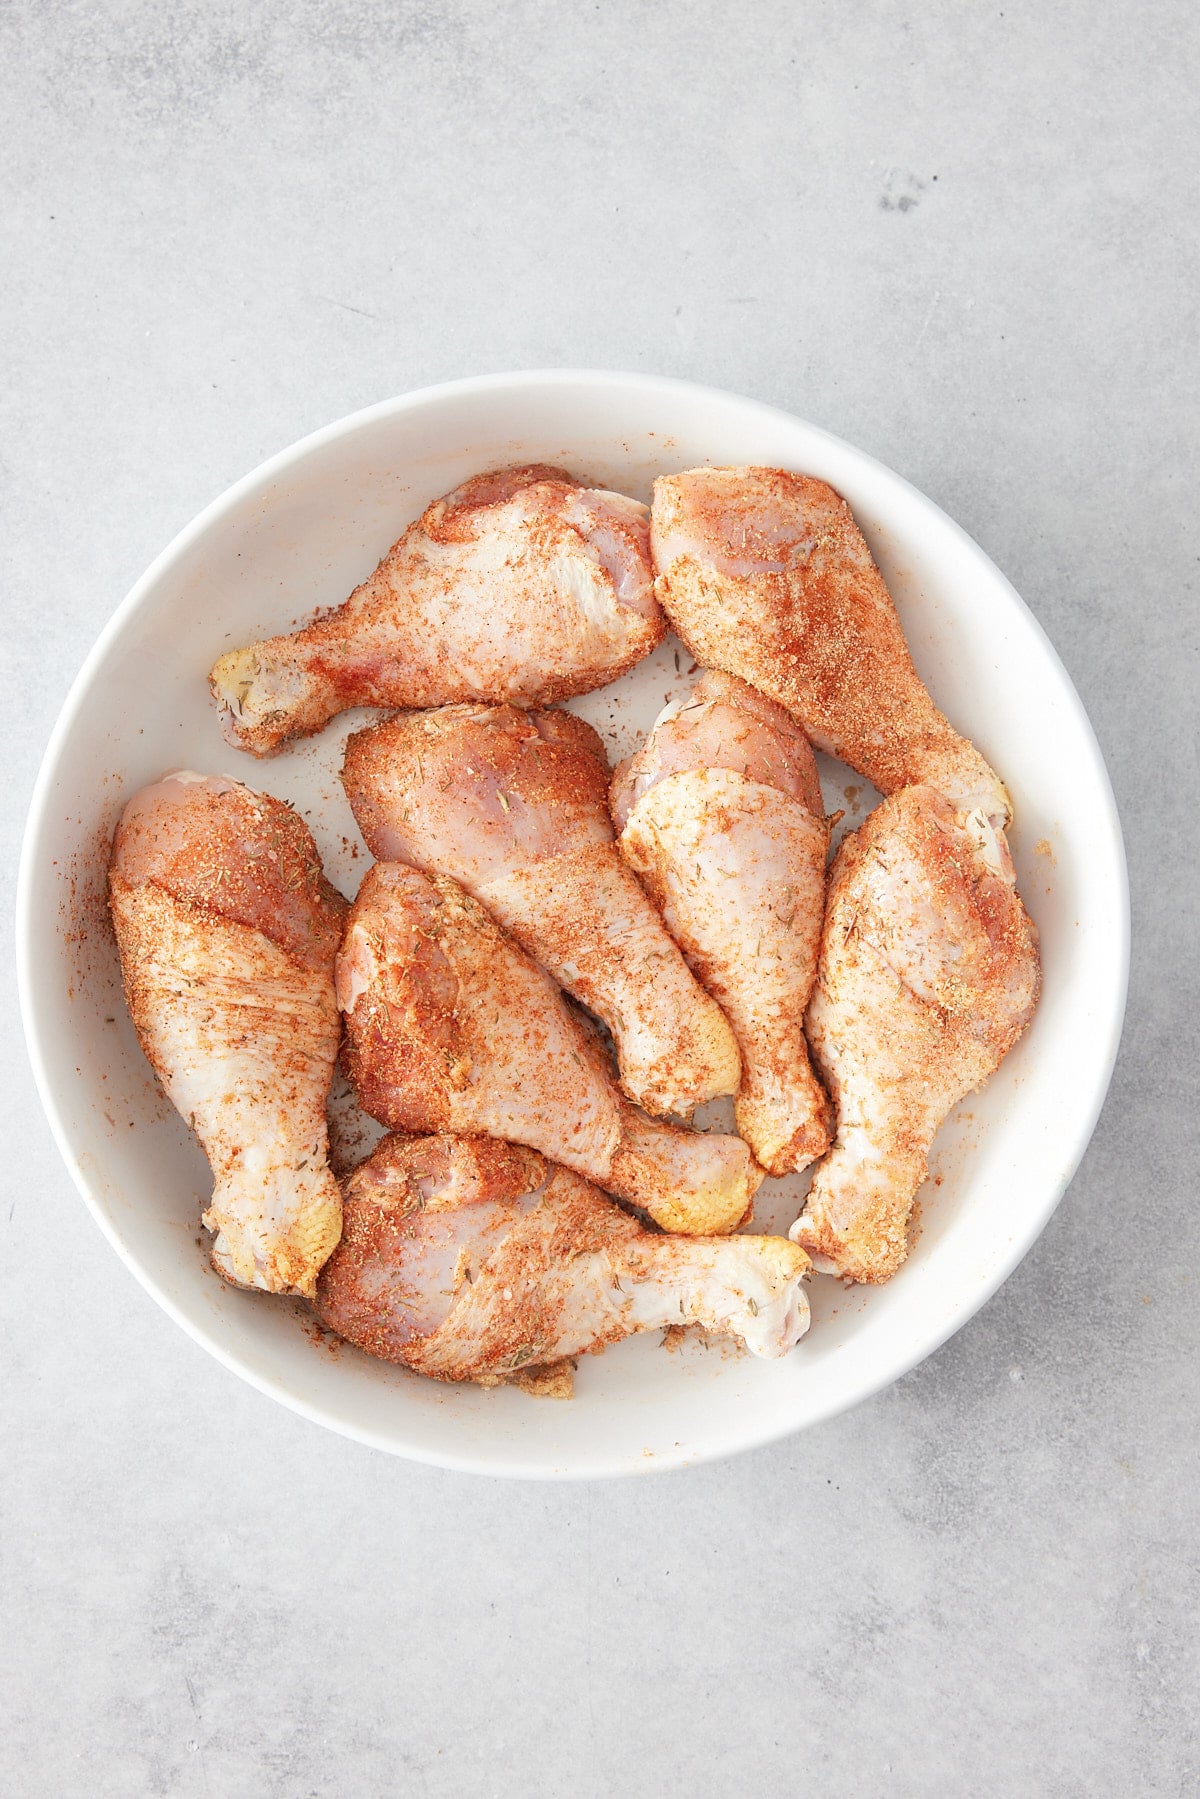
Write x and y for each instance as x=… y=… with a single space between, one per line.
x=962 y=237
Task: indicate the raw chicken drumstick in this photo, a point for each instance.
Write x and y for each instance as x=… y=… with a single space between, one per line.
x=451 y=1027
x=928 y=975
x=227 y=930
x=519 y=585
x=720 y=813
x=766 y=575
x=514 y=806
x=468 y=1259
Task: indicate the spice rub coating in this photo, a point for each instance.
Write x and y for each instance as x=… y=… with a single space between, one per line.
x=723 y=723
x=765 y=574
x=513 y=805
x=227 y=930
x=722 y=820
x=466 y=1259
x=928 y=974
x=452 y=1027
x=520 y=585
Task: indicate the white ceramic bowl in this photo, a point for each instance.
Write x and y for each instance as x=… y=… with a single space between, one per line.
x=299 y=533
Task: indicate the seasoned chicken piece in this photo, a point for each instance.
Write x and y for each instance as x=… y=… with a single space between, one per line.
x=720 y=813
x=928 y=975
x=766 y=575
x=467 y=1259
x=451 y=1027
x=519 y=585
x=514 y=806
x=227 y=930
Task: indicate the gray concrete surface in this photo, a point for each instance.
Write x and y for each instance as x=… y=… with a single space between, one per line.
x=962 y=237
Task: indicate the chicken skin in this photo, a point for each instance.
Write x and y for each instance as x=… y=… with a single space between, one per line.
x=928 y=975
x=766 y=575
x=720 y=814
x=519 y=585
x=471 y=1260
x=513 y=806
x=227 y=930
x=452 y=1027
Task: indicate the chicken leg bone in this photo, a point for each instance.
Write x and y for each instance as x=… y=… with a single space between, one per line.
x=452 y=1027
x=720 y=814
x=928 y=975
x=467 y=1259
x=766 y=575
x=227 y=930
x=513 y=806
x=519 y=585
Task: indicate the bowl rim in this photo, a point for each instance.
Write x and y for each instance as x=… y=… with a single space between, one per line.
x=260 y=477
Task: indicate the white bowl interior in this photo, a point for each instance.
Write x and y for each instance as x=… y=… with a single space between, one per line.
x=299 y=533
